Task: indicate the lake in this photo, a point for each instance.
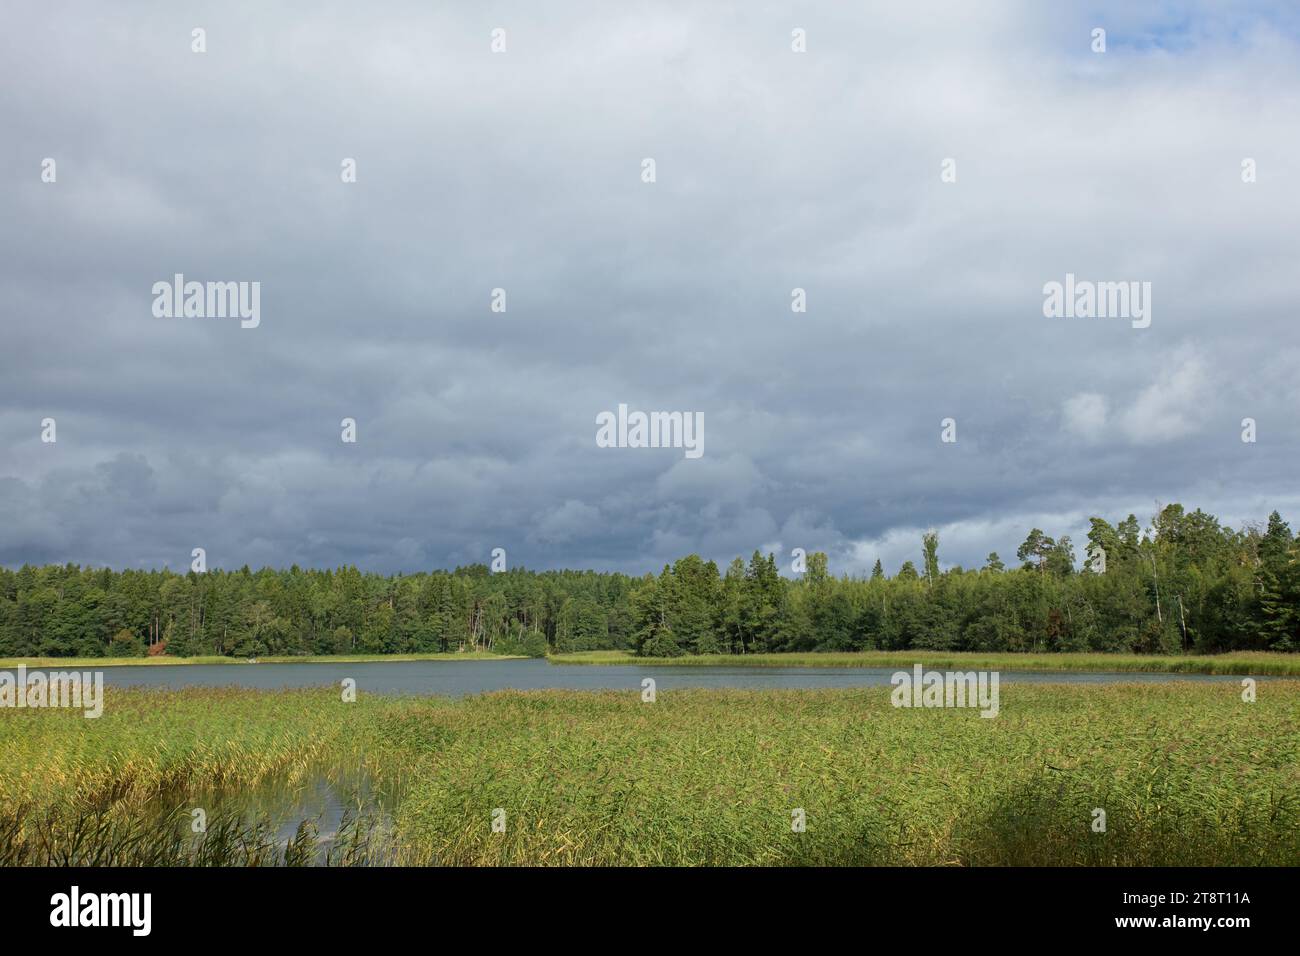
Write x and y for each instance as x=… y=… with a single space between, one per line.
x=458 y=678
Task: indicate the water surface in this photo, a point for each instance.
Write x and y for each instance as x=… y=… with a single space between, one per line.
x=458 y=678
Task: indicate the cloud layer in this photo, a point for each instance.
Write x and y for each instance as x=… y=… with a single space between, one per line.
x=775 y=170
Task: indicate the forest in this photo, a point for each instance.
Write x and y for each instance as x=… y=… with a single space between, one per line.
x=1186 y=583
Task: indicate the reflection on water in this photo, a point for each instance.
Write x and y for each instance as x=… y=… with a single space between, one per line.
x=329 y=817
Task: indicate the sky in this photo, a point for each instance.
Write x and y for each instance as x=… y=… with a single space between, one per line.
x=523 y=170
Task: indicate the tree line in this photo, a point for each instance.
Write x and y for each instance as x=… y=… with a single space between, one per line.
x=1184 y=583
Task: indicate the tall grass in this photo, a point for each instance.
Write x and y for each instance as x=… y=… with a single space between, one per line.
x=117 y=790
x=90 y=663
x=1260 y=663
x=1187 y=774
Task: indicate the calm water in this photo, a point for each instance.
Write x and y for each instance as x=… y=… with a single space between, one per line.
x=332 y=799
x=458 y=678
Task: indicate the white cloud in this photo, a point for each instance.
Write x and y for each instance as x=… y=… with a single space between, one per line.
x=1085 y=415
x=1173 y=406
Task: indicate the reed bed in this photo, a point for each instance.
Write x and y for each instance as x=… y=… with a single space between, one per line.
x=1187 y=774
x=1258 y=663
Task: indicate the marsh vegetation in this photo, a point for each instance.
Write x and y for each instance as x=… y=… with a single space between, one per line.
x=1187 y=773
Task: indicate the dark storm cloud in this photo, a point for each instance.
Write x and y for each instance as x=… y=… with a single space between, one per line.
x=775 y=170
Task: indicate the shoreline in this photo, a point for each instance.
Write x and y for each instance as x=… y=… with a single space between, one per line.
x=164 y=661
x=1238 y=663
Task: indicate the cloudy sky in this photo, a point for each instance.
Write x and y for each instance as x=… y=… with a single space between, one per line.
x=522 y=170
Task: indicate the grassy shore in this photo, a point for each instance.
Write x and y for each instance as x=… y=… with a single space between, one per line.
x=90 y=663
x=1239 y=662
x=1187 y=774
